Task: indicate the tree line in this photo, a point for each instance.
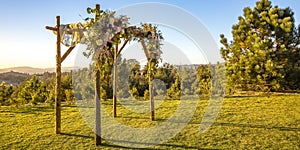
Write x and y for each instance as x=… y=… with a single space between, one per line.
x=169 y=82
x=38 y=88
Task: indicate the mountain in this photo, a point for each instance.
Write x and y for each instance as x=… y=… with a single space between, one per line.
x=13 y=77
x=31 y=70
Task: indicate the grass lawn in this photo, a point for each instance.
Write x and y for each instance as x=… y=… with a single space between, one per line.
x=243 y=123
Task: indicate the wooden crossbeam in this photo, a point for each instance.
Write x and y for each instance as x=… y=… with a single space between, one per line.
x=119 y=51
x=51 y=28
x=66 y=54
x=145 y=49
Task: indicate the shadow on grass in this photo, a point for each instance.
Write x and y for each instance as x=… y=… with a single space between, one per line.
x=134 y=117
x=159 y=119
x=237 y=125
x=257 y=96
x=254 y=126
x=246 y=96
x=77 y=135
x=32 y=109
x=165 y=145
x=107 y=144
x=69 y=106
x=258 y=126
x=177 y=121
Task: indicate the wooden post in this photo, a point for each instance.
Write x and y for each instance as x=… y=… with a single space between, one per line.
x=97 y=102
x=58 y=80
x=151 y=92
x=115 y=83
x=58 y=94
x=97 y=16
x=59 y=60
x=152 y=109
x=97 y=93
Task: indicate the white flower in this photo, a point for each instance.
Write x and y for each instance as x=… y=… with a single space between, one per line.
x=99 y=42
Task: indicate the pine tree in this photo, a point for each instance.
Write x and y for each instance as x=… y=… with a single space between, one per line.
x=6 y=90
x=33 y=92
x=174 y=92
x=258 y=53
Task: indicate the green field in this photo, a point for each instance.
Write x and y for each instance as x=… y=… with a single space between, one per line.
x=247 y=122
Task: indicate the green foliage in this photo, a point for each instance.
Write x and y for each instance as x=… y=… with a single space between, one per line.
x=204 y=79
x=133 y=81
x=189 y=78
x=123 y=73
x=34 y=91
x=103 y=94
x=51 y=98
x=146 y=95
x=106 y=78
x=138 y=81
x=84 y=83
x=134 y=92
x=260 y=51
x=174 y=92
x=166 y=73
x=218 y=80
x=37 y=89
x=70 y=99
x=163 y=78
x=6 y=90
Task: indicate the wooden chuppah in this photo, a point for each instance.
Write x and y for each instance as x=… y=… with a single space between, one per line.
x=59 y=59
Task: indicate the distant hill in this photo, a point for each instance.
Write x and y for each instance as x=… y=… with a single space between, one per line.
x=13 y=77
x=31 y=70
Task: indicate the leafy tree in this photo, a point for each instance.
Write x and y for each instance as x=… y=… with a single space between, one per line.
x=50 y=97
x=166 y=73
x=123 y=74
x=174 y=92
x=257 y=54
x=146 y=95
x=188 y=76
x=103 y=95
x=218 y=79
x=204 y=78
x=138 y=81
x=292 y=69
x=33 y=92
x=162 y=80
x=83 y=85
x=15 y=100
x=66 y=85
x=70 y=99
x=6 y=90
x=106 y=79
x=134 y=92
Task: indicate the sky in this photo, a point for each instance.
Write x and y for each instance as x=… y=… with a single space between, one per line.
x=24 y=41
